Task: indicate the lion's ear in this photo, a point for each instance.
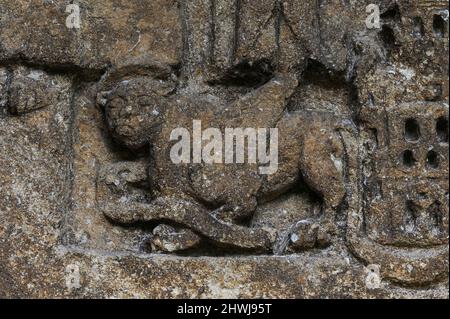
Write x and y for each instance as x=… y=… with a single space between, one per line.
x=144 y=65
x=102 y=98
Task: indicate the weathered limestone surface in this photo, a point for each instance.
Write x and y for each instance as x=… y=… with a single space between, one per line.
x=91 y=204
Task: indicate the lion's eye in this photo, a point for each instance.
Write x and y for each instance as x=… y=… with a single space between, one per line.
x=116 y=103
x=145 y=101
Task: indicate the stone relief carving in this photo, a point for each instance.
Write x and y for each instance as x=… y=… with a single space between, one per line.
x=212 y=200
x=405 y=206
x=402 y=203
x=363 y=139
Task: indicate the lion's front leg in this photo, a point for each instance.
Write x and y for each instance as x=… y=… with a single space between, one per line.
x=127 y=182
x=194 y=217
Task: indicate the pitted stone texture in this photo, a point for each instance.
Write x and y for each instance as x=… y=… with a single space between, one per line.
x=91 y=206
x=111 y=31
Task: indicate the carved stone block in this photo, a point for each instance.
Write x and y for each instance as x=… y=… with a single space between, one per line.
x=339 y=189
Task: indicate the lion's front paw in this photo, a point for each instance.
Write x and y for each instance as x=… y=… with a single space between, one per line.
x=170 y=239
x=307 y=235
x=301 y=236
